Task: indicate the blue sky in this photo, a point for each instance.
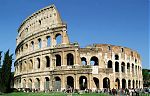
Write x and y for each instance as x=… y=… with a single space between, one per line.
x=117 y=22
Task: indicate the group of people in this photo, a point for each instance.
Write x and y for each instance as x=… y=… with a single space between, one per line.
x=126 y=92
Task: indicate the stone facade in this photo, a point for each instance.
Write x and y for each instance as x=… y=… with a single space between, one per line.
x=44 y=63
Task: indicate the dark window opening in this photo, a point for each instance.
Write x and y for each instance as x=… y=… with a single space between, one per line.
x=116 y=57
x=106 y=83
x=129 y=84
x=83 y=83
x=123 y=83
x=123 y=67
x=96 y=82
x=83 y=61
x=128 y=66
x=70 y=82
x=47 y=61
x=58 y=60
x=48 y=41
x=109 y=48
x=117 y=83
x=39 y=43
x=122 y=50
x=40 y=22
x=38 y=60
x=94 y=61
x=109 y=64
x=58 y=39
x=70 y=59
x=116 y=66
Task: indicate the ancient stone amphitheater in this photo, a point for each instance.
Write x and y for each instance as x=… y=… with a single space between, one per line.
x=46 y=60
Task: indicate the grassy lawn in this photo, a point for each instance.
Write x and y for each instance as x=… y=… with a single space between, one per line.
x=51 y=94
x=57 y=94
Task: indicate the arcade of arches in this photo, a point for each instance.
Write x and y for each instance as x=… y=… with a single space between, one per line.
x=82 y=82
x=47 y=60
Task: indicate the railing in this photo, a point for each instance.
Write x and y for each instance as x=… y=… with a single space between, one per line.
x=72 y=67
x=106 y=70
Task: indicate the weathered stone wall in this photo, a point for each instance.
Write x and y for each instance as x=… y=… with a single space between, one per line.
x=41 y=63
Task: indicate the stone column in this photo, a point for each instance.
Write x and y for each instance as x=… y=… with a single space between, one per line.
x=65 y=39
x=64 y=59
x=63 y=83
x=33 y=83
x=120 y=82
x=77 y=59
x=113 y=66
x=77 y=81
x=43 y=62
x=51 y=82
x=53 y=40
x=127 y=84
x=101 y=82
x=44 y=42
x=90 y=80
x=42 y=83
x=27 y=82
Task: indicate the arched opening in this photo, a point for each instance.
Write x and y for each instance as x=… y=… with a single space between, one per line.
x=128 y=67
x=116 y=66
x=24 y=83
x=20 y=67
x=96 y=82
x=116 y=57
x=40 y=22
x=48 y=41
x=24 y=67
x=31 y=64
x=136 y=69
x=109 y=65
x=109 y=48
x=70 y=59
x=122 y=50
x=47 y=61
x=57 y=84
x=58 y=39
x=26 y=47
x=136 y=84
x=58 y=60
x=123 y=67
x=123 y=83
x=94 y=61
x=117 y=83
x=83 y=61
x=106 y=83
x=38 y=63
x=30 y=84
x=133 y=86
x=139 y=85
x=39 y=43
x=47 y=81
x=37 y=84
x=32 y=46
x=132 y=68
x=129 y=84
x=70 y=82
x=83 y=83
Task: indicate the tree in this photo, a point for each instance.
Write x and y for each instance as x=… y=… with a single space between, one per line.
x=6 y=73
x=146 y=77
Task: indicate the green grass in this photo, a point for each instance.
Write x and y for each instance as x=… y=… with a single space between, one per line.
x=57 y=94
x=51 y=94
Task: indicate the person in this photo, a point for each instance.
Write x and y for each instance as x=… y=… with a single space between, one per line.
x=113 y=91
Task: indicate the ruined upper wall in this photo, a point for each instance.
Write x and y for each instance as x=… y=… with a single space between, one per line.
x=43 y=19
x=109 y=49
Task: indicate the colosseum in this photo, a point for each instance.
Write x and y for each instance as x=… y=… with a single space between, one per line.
x=47 y=60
